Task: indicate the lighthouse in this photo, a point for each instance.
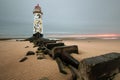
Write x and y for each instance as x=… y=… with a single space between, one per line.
x=37 y=24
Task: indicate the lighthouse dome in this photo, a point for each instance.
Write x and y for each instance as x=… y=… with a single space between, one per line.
x=37 y=9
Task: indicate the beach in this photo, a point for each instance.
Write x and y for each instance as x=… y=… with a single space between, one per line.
x=12 y=51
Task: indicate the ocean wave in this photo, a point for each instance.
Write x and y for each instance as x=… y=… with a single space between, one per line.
x=111 y=38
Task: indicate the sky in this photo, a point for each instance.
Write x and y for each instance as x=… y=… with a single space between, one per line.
x=61 y=16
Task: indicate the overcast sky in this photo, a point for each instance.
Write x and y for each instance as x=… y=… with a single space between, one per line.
x=63 y=16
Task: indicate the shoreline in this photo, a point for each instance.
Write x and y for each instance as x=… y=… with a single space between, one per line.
x=73 y=38
x=67 y=36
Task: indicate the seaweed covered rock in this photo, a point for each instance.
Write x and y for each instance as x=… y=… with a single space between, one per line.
x=30 y=53
x=41 y=56
x=35 y=36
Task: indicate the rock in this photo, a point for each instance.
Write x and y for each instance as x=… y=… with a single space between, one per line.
x=39 y=51
x=40 y=48
x=23 y=59
x=41 y=56
x=30 y=53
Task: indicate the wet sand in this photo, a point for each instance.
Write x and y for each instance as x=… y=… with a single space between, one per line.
x=11 y=51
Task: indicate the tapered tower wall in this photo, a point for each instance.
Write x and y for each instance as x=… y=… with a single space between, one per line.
x=37 y=23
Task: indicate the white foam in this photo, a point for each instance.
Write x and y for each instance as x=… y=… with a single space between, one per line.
x=110 y=38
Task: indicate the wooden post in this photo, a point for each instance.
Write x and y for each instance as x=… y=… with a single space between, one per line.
x=100 y=68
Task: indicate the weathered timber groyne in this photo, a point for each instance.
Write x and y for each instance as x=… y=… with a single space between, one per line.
x=103 y=67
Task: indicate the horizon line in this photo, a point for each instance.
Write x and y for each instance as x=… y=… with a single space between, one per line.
x=84 y=35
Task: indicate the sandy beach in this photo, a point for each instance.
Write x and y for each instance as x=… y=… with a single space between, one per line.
x=11 y=51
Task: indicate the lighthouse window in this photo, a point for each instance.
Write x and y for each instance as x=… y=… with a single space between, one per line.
x=38 y=15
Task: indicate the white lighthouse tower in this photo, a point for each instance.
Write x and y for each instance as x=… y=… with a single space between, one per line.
x=37 y=24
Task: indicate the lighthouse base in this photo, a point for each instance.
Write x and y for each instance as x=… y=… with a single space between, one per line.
x=38 y=35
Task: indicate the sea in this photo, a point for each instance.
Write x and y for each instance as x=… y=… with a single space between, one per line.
x=26 y=31
x=16 y=31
